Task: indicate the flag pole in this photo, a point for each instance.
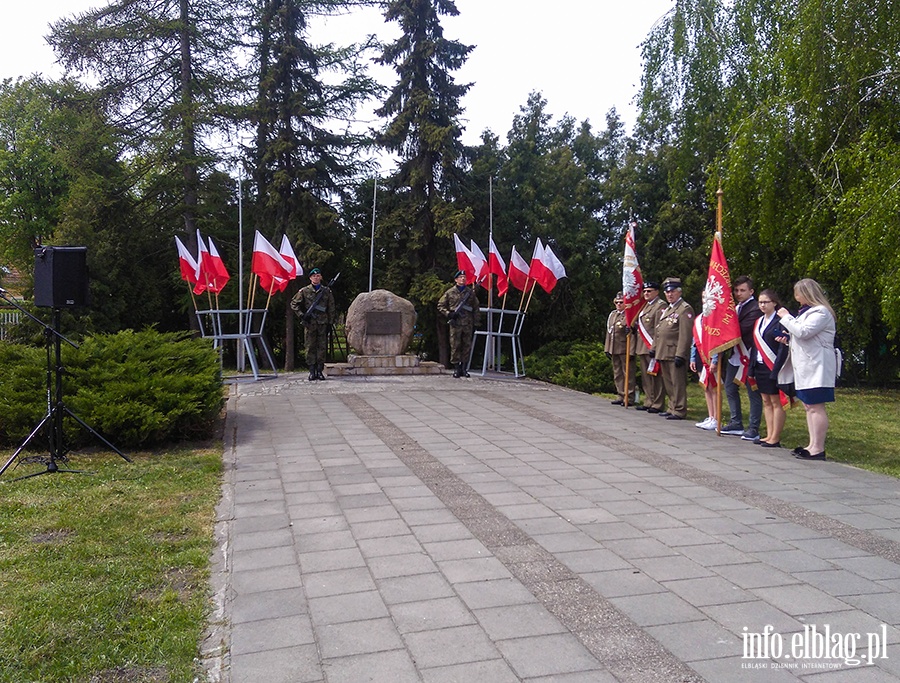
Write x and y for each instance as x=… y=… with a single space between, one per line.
x=627 y=367
x=719 y=195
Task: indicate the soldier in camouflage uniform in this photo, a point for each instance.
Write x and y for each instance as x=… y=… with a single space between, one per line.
x=462 y=320
x=317 y=324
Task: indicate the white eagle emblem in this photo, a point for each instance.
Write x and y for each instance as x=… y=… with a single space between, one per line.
x=713 y=295
x=629 y=283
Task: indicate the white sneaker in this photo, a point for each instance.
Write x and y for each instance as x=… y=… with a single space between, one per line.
x=711 y=426
x=702 y=425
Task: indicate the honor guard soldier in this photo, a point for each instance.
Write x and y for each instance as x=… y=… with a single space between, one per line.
x=616 y=348
x=672 y=347
x=314 y=305
x=651 y=382
x=459 y=305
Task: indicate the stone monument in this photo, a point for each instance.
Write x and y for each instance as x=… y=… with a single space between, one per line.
x=379 y=329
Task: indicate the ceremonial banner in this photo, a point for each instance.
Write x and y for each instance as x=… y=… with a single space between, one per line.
x=632 y=279
x=721 y=330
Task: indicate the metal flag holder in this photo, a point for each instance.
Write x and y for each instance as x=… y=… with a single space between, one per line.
x=502 y=325
x=52 y=422
x=249 y=324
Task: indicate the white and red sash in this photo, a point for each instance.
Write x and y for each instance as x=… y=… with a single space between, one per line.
x=765 y=351
x=647 y=338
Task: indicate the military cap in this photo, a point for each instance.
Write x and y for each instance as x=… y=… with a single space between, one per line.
x=315 y=271
x=671 y=283
x=620 y=298
x=651 y=285
x=458 y=273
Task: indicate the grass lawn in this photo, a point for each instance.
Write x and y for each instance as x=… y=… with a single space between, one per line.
x=104 y=577
x=864 y=426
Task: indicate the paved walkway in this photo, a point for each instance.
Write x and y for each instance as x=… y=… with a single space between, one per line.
x=494 y=530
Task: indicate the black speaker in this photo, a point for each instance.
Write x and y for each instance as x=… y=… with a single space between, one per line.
x=60 y=277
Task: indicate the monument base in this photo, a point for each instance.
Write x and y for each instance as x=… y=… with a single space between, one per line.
x=383 y=365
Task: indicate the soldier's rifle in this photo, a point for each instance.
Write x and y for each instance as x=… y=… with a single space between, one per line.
x=306 y=317
x=455 y=314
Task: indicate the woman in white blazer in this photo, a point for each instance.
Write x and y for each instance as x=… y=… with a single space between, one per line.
x=813 y=361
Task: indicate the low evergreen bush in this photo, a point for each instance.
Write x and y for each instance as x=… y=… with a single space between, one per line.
x=137 y=389
x=582 y=366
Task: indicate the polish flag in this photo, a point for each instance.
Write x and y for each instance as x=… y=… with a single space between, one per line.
x=537 y=269
x=465 y=260
x=496 y=266
x=269 y=265
x=518 y=271
x=553 y=270
x=207 y=277
x=287 y=253
x=190 y=269
x=481 y=265
x=217 y=265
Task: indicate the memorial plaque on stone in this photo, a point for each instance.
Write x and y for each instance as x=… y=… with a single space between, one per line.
x=384 y=322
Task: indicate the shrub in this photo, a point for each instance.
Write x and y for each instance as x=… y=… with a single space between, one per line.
x=135 y=388
x=582 y=366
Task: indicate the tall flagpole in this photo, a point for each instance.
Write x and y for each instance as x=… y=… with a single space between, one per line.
x=719 y=195
x=372 y=242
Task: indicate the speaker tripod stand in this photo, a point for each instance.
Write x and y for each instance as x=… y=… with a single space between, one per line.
x=52 y=422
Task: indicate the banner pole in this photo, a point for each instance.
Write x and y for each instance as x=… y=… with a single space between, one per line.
x=627 y=367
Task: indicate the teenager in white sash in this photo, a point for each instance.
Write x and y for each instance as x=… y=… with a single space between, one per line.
x=766 y=360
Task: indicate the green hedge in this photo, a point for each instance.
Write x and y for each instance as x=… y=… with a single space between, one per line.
x=580 y=365
x=137 y=389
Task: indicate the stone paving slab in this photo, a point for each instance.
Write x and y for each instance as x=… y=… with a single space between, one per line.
x=434 y=529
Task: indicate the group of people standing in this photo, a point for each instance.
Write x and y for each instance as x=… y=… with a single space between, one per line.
x=780 y=356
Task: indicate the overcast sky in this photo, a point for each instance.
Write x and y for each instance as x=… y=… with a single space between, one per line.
x=583 y=55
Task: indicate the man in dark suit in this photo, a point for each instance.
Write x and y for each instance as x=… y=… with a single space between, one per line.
x=738 y=364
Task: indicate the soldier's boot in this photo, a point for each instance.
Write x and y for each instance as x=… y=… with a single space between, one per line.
x=457 y=370
x=312 y=373
x=319 y=371
x=463 y=370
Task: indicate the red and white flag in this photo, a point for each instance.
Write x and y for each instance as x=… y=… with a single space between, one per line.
x=632 y=279
x=203 y=264
x=187 y=264
x=287 y=253
x=465 y=260
x=721 y=330
x=497 y=267
x=518 y=271
x=217 y=265
x=482 y=274
x=537 y=269
x=269 y=265
x=553 y=270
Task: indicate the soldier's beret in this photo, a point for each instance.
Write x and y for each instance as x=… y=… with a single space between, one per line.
x=458 y=273
x=315 y=271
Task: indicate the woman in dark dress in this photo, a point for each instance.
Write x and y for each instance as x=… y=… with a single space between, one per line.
x=766 y=360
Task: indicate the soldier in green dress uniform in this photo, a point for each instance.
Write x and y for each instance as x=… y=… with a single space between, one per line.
x=672 y=347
